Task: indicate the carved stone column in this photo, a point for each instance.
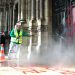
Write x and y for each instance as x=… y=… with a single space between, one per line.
x=0 y=20
x=50 y=16
x=46 y=14
x=7 y=16
x=19 y=10
x=33 y=9
x=42 y=15
x=11 y=16
x=3 y=20
x=29 y=9
x=38 y=13
x=23 y=9
x=42 y=8
x=33 y=15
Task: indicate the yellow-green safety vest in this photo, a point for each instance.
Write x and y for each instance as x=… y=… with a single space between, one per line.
x=15 y=39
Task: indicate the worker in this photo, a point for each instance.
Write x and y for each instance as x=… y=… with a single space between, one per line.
x=16 y=40
x=2 y=40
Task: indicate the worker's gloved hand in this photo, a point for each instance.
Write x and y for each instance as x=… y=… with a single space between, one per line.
x=17 y=37
x=30 y=35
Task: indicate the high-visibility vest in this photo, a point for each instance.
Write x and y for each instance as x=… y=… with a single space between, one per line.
x=17 y=40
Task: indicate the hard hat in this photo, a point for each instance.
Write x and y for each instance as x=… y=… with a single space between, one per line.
x=19 y=23
x=22 y=21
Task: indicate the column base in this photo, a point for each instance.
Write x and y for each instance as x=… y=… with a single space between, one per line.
x=44 y=27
